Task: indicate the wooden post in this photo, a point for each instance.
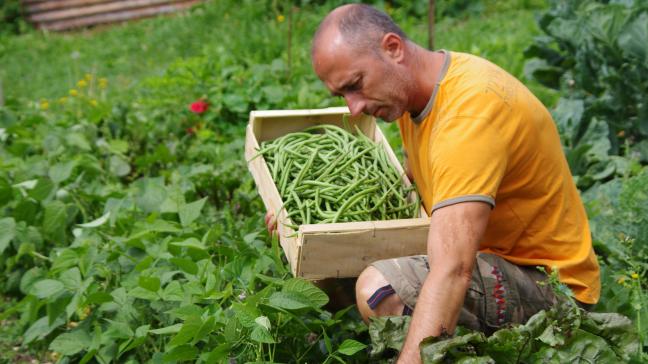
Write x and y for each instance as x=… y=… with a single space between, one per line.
x=431 y=25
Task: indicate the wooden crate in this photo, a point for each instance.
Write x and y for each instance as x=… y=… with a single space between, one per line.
x=68 y=14
x=319 y=251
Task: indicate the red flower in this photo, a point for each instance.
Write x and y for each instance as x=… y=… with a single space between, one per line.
x=199 y=107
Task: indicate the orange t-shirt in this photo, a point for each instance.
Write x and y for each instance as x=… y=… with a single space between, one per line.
x=485 y=137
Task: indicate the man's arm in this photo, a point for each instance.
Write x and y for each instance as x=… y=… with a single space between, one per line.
x=453 y=241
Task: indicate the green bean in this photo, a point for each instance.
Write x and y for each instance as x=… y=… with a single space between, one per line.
x=326 y=174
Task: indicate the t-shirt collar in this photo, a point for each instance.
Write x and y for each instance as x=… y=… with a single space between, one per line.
x=428 y=107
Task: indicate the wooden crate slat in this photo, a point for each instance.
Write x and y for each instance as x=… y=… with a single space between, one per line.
x=117 y=16
x=95 y=9
x=43 y=6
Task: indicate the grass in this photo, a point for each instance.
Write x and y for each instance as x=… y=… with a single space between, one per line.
x=46 y=65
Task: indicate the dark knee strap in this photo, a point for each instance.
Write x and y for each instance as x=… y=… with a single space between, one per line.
x=380 y=295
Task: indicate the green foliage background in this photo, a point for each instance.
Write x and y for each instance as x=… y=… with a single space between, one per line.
x=130 y=229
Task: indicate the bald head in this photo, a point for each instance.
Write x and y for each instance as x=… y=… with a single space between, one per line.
x=359 y=26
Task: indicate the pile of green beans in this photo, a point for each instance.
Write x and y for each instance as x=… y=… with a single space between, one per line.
x=325 y=174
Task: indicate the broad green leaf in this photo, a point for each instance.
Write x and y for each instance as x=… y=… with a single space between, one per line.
x=56 y=308
x=162 y=226
x=581 y=346
x=118 y=146
x=150 y=283
x=70 y=343
x=73 y=305
x=616 y=329
x=27 y=185
x=97 y=222
x=46 y=288
x=191 y=211
x=185 y=312
x=7 y=232
x=60 y=172
x=152 y=193
x=119 y=166
x=30 y=277
x=350 y=347
x=41 y=328
x=42 y=190
x=173 y=292
x=315 y=296
x=181 y=353
x=142 y=331
x=167 y=330
x=186 y=265
x=190 y=243
x=189 y=329
x=205 y=329
x=263 y=321
x=218 y=355
x=71 y=279
x=634 y=38
x=66 y=258
x=435 y=350
x=144 y=263
x=143 y=293
x=6 y=192
x=118 y=330
x=388 y=332
x=175 y=198
x=99 y=298
x=78 y=140
x=289 y=300
x=262 y=335
x=55 y=221
x=246 y=314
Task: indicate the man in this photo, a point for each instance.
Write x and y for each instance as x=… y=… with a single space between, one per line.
x=487 y=162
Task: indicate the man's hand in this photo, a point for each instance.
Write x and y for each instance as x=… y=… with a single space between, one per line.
x=453 y=241
x=271 y=223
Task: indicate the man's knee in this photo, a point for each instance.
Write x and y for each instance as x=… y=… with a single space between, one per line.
x=368 y=283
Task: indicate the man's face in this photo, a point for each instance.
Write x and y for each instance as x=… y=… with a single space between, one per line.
x=369 y=82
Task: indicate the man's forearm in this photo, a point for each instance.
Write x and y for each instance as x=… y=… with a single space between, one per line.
x=437 y=309
x=455 y=232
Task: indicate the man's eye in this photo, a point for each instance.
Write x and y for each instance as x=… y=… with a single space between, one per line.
x=356 y=86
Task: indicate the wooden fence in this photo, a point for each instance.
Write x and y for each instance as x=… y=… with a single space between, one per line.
x=69 y=14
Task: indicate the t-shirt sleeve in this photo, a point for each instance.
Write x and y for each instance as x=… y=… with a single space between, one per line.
x=467 y=163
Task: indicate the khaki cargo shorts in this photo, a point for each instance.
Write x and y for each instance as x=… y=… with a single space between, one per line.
x=500 y=292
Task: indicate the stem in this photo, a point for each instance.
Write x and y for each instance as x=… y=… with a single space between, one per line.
x=41 y=256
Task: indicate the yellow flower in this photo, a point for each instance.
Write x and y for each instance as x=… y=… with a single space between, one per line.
x=87 y=77
x=44 y=104
x=103 y=82
x=94 y=103
x=82 y=83
x=62 y=100
x=621 y=280
x=281 y=18
x=634 y=275
x=74 y=92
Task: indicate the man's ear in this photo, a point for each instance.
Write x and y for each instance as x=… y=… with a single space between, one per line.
x=393 y=46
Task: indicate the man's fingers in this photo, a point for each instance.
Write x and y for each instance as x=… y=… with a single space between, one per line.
x=271 y=222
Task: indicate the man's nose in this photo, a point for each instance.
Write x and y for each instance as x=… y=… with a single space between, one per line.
x=355 y=103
